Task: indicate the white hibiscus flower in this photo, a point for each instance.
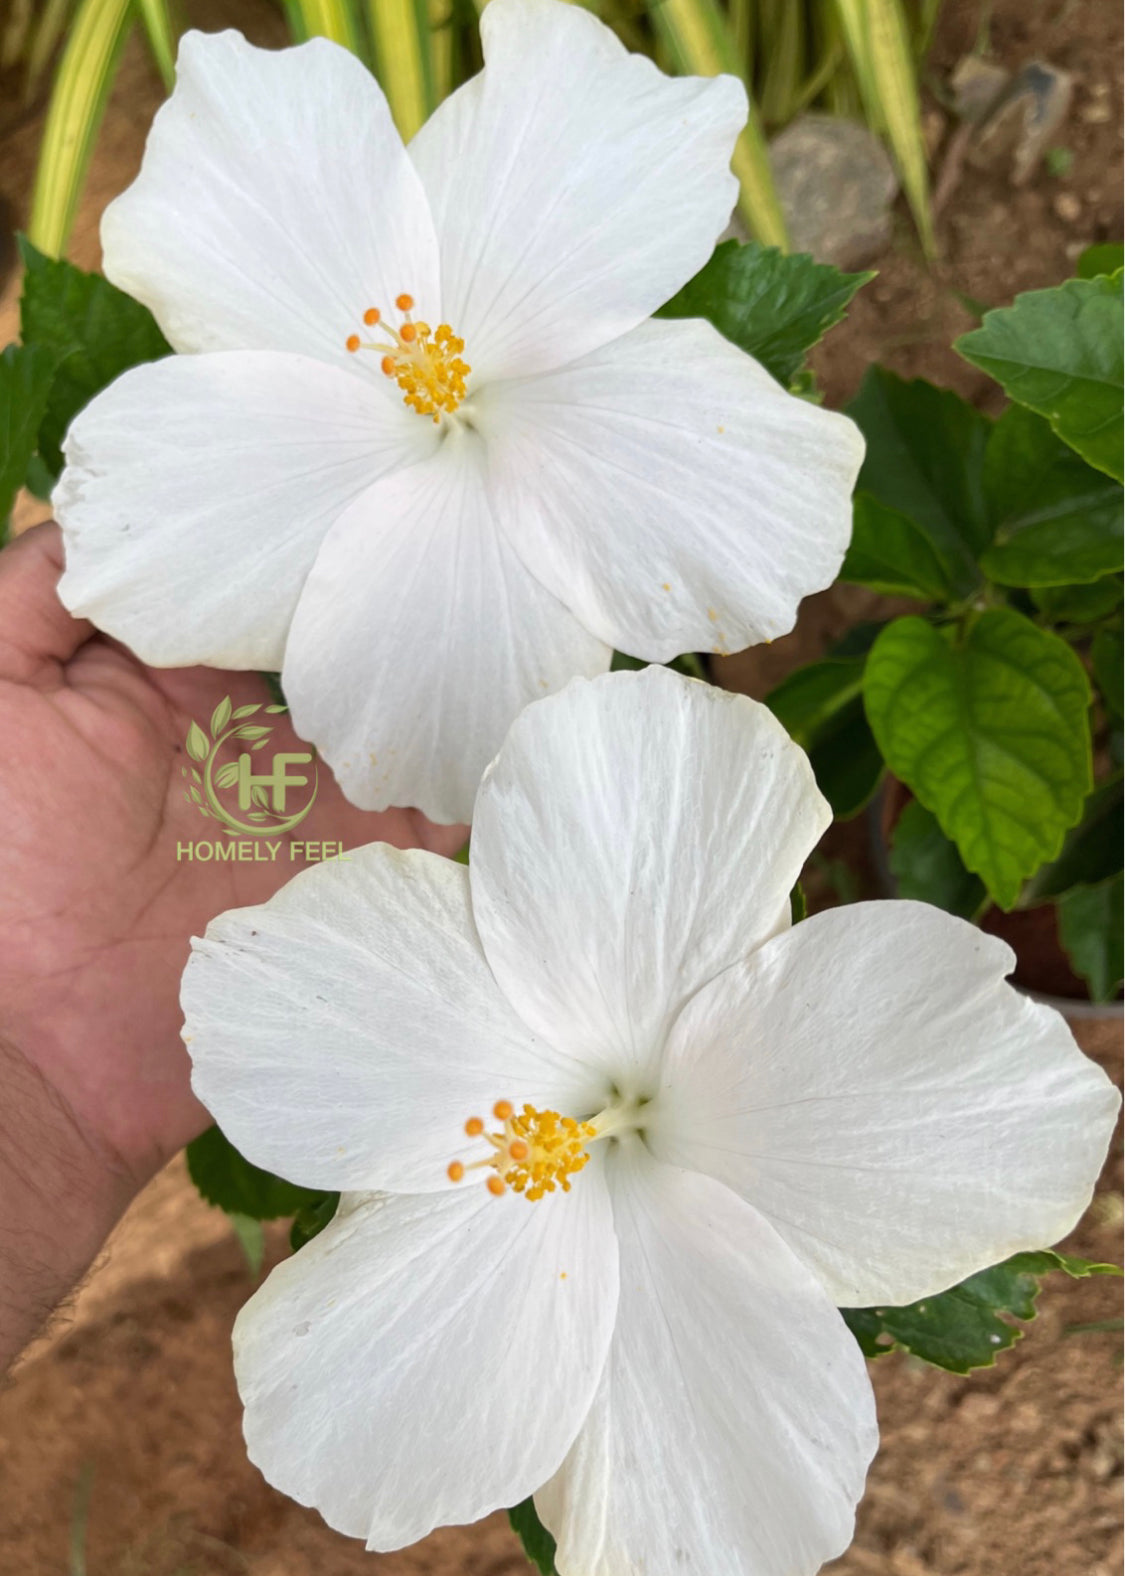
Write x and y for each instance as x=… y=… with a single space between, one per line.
x=708 y=1130
x=511 y=471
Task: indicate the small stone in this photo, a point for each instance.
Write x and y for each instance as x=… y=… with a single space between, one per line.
x=1022 y=123
x=976 y=84
x=1068 y=207
x=836 y=184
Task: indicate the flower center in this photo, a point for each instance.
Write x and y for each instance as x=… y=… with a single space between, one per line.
x=536 y=1152
x=425 y=362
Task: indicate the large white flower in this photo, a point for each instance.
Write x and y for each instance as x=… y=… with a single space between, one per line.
x=745 y=1124
x=513 y=470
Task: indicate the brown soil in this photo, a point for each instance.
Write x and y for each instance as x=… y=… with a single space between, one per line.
x=129 y=1401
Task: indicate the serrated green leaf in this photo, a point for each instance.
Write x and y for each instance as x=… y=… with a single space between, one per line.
x=538 y=1544
x=927 y=867
x=229 y=1181
x=1060 y=352
x=990 y=730
x=220 y=716
x=774 y=307
x=1105 y=258
x=198 y=744
x=965 y=1327
x=94 y=331
x=1091 y=851
x=1056 y=520
x=1083 y=604
x=26 y=374
x=1108 y=655
x=891 y=554
x=821 y=707
x=925 y=459
x=1090 y=929
x=312 y=1218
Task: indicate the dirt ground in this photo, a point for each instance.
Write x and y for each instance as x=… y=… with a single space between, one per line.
x=120 y=1428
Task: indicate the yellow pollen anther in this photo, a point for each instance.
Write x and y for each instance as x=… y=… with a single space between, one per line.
x=502 y=1110
x=537 y=1152
x=426 y=363
x=518 y=1149
x=496 y=1186
x=455 y=1171
x=474 y=1127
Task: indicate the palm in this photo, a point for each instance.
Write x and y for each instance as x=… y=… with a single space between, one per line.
x=96 y=912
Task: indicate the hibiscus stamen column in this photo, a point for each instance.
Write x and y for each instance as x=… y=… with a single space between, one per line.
x=425 y=362
x=537 y=1152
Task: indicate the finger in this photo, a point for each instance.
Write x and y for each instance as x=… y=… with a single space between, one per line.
x=37 y=634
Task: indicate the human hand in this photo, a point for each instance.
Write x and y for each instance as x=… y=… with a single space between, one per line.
x=95 y=911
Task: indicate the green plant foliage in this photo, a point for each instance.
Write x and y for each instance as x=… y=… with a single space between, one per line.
x=1090 y=928
x=772 y=306
x=312 y=1218
x=26 y=373
x=891 y=554
x=989 y=728
x=1060 y=352
x=1056 y=520
x=1082 y=604
x=1091 y=851
x=1105 y=258
x=225 y=1178
x=94 y=332
x=821 y=707
x=925 y=460
x=1108 y=656
x=927 y=867
x=538 y=1544
x=965 y=1327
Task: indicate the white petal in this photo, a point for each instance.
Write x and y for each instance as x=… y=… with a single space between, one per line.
x=670 y=492
x=735 y=1421
x=342 y=1033
x=275 y=204
x=426 y=1360
x=635 y=836
x=420 y=635
x=900 y=1113
x=198 y=489
x=574 y=187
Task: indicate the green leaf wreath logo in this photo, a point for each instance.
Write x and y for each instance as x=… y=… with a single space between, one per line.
x=260 y=808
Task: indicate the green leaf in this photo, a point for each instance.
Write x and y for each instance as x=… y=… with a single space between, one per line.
x=1105 y=258
x=94 y=331
x=198 y=744
x=798 y=904
x=227 y=775
x=220 y=716
x=774 y=307
x=1060 y=352
x=1090 y=928
x=538 y=1544
x=1083 y=604
x=1108 y=656
x=229 y=1181
x=891 y=554
x=925 y=459
x=990 y=730
x=821 y=707
x=1091 y=852
x=927 y=867
x=251 y=1239
x=1056 y=520
x=965 y=1327
x=26 y=372
x=312 y=1218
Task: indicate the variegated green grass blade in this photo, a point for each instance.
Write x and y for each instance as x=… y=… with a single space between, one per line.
x=878 y=41
x=162 y=33
x=334 y=19
x=49 y=30
x=699 y=42
x=400 y=32
x=782 y=33
x=82 y=83
x=442 y=16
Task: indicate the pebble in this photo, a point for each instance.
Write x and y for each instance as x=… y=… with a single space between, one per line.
x=836 y=184
x=1068 y=207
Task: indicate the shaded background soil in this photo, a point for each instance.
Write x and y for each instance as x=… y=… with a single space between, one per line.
x=123 y=1419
